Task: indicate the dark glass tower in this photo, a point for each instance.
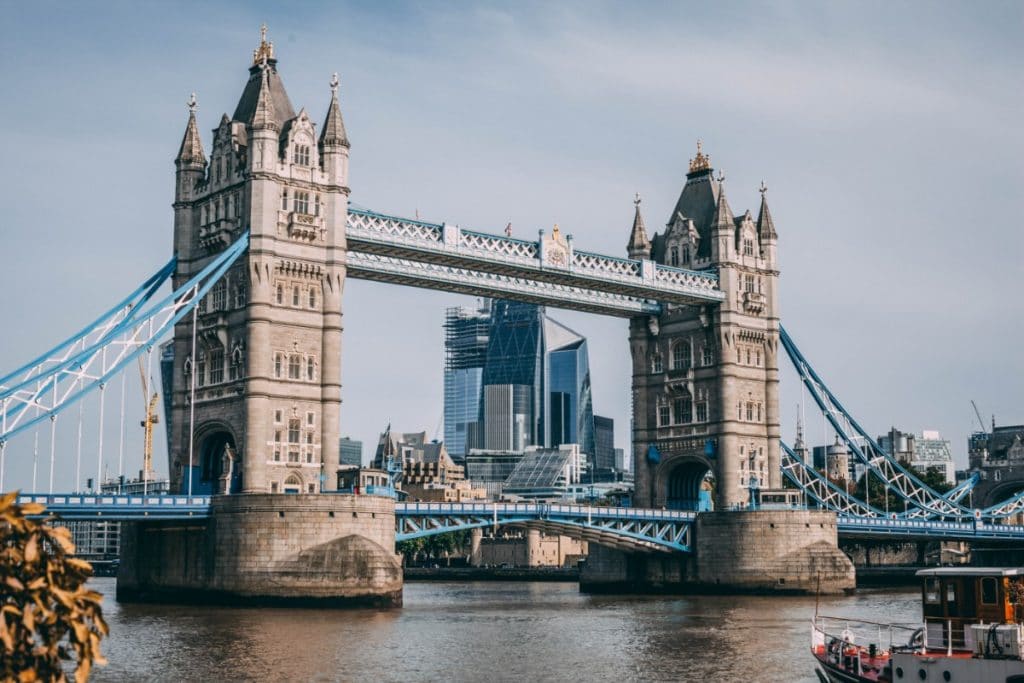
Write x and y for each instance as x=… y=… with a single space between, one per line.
x=465 y=352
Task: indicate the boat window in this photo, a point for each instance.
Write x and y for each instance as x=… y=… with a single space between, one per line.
x=931 y=591
x=950 y=592
x=988 y=590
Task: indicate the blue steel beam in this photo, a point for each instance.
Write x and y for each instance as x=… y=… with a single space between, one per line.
x=74 y=507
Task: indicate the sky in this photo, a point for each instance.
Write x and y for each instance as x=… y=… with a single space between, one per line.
x=888 y=134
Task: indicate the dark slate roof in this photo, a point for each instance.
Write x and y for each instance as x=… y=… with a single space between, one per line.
x=698 y=201
x=282 y=106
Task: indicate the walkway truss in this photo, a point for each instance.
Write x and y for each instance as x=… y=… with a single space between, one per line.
x=442 y=256
x=632 y=529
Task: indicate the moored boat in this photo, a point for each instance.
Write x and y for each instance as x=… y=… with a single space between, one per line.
x=971 y=632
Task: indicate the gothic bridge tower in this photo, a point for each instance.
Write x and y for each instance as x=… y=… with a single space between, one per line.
x=266 y=361
x=705 y=379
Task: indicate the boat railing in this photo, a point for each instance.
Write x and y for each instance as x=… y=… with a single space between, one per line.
x=949 y=634
x=857 y=632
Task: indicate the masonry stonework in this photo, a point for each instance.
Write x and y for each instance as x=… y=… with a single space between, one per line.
x=268 y=549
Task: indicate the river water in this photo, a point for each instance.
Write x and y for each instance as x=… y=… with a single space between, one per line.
x=485 y=631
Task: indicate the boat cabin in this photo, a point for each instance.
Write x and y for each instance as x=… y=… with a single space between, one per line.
x=953 y=598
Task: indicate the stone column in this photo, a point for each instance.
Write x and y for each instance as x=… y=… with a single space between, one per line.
x=533 y=552
x=475 y=538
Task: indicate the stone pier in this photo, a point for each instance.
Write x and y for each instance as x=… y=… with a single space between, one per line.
x=326 y=549
x=763 y=551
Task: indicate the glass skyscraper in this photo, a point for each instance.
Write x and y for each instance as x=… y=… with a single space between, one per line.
x=515 y=378
x=465 y=347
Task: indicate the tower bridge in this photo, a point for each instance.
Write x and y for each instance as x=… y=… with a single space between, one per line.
x=264 y=239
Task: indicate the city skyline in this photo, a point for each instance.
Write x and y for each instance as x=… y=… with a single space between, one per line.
x=871 y=253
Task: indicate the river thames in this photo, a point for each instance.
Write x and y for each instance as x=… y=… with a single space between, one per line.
x=485 y=631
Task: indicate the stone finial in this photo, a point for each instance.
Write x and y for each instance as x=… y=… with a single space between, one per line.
x=636 y=200
x=192 y=104
x=701 y=162
x=763 y=188
x=334 y=84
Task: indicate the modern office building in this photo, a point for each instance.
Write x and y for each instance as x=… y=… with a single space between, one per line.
x=549 y=474
x=604 y=443
x=466 y=333
x=569 y=409
x=513 y=377
x=351 y=452
x=924 y=451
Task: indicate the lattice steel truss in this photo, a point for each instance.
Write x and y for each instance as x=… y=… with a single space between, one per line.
x=86 y=361
x=881 y=464
x=495 y=265
x=624 y=528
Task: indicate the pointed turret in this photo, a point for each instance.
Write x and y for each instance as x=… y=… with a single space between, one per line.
x=334 y=143
x=723 y=220
x=639 y=246
x=191 y=152
x=765 y=224
x=263 y=115
x=333 y=132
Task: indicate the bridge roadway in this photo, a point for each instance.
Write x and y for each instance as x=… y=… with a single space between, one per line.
x=634 y=529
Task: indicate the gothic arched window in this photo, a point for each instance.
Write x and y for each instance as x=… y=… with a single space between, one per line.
x=673 y=256
x=681 y=358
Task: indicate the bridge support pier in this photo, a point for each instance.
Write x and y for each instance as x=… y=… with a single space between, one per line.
x=259 y=549
x=762 y=551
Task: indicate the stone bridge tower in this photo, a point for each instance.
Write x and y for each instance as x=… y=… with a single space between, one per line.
x=705 y=379
x=267 y=351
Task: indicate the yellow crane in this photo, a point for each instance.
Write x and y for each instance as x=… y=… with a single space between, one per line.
x=152 y=418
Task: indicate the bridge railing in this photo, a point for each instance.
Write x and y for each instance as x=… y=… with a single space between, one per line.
x=374 y=227
x=100 y=500
x=540 y=509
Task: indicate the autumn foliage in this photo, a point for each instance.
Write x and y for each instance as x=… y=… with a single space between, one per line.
x=49 y=622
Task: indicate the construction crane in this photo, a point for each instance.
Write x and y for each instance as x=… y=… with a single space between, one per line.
x=151 y=419
x=978 y=413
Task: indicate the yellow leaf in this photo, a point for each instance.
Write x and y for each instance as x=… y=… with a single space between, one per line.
x=32 y=509
x=32 y=550
x=8 y=499
x=28 y=618
x=62 y=536
x=82 y=672
x=36 y=584
x=5 y=636
x=14 y=583
x=27 y=676
x=79 y=564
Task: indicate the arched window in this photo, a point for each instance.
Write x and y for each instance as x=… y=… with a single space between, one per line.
x=316 y=205
x=301 y=156
x=278 y=365
x=310 y=369
x=293 y=430
x=681 y=358
x=294 y=366
x=663 y=413
x=748 y=247
x=293 y=484
x=656 y=366
x=220 y=295
x=284 y=199
x=280 y=294
x=201 y=369
x=686 y=254
x=295 y=295
x=312 y=297
x=673 y=256
x=302 y=202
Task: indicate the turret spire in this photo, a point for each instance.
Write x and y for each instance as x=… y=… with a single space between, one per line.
x=765 y=224
x=265 y=51
x=639 y=245
x=724 y=219
x=191 y=151
x=263 y=116
x=333 y=132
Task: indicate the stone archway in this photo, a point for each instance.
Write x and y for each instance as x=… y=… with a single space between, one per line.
x=216 y=450
x=293 y=484
x=679 y=481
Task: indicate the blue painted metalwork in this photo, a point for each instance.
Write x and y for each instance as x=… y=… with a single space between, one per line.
x=120 y=508
x=40 y=392
x=631 y=528
x=128 y=306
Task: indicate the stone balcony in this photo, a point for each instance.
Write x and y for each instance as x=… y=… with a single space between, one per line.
x=754 y=301
x=304 y=226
